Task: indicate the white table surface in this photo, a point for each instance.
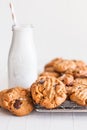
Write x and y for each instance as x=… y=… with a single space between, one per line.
x=43 y=121
x=60 y=30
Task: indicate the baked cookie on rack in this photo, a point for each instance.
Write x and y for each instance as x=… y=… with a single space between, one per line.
x=79 y=63
x=54 y=74
x=48 y=92
x=50 y=66
x=64 y=65
x=67 y=79
x=80 y=72
x=81 y=81
x=79 y=94
x=17 y=100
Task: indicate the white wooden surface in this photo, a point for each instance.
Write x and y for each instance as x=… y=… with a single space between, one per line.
x=60 y=30
x=43 y=121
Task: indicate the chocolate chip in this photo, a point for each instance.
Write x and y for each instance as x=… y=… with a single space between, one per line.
x=61 y=74
x=79 y=87
x=86 y=101
x=78 y=72
x=41 y=81
x=74 y=60
x=17 y=104
x=55 y=85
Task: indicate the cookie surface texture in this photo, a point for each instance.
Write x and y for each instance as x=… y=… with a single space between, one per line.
x=17 y=100
x=79 y=94
x=48 y=92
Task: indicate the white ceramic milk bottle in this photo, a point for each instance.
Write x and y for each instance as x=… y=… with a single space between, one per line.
x=22 y=61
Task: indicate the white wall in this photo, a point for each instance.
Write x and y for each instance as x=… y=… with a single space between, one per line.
x=60 y=29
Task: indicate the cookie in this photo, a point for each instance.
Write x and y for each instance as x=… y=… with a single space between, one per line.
x=48 y=92
x=50 y=66
x=54 y=74
x=81 y=81
x=80 y=72
x=17 y=100
x=67 y=79
x=79 y=94
x=79 y=63
x=64 y=65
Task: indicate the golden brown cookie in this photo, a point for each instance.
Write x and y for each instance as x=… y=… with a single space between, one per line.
x=48 y=92
x=17 y=100
x=50 y=66
x=64 y=65
x=79 y=94
x=54 y=74
x=80 y=72
x=67 y=79
x=79 y=63
x=81 y=81
x=68 y=90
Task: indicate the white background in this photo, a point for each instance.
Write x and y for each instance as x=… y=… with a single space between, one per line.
x=60 y=31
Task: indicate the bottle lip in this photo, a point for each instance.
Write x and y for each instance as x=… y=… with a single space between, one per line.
x=22 y=27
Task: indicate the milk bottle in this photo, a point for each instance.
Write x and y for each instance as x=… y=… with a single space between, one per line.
x=22 y=60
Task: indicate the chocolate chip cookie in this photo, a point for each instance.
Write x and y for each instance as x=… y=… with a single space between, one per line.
x=67 y=79
x=81 y=81
x=79 y=63
x=64 y=65
x=79 y=94
x=54 y=74
x=17 y=100
x=50 y=66
x=48 y=92
x=80 y=72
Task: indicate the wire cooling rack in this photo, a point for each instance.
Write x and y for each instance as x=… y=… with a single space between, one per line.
x=67 y=106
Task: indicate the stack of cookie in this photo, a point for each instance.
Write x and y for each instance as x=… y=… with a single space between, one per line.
x=61 y=80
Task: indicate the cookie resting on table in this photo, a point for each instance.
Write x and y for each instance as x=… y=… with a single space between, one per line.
x=17 y=100
x=48 y=92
